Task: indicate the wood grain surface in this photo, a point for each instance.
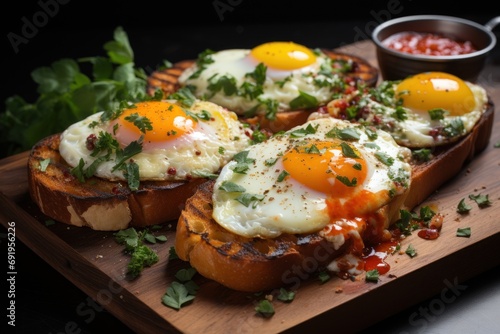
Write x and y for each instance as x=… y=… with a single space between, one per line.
x=96 y=263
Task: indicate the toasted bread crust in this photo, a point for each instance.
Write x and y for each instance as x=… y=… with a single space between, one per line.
x=257 y=265
x=167 y=81
x=244 y=264
x=98 y=203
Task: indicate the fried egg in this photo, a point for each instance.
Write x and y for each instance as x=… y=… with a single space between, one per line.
x=424 y=110
x=166 y=140
x=328 y=176
x=272 y=77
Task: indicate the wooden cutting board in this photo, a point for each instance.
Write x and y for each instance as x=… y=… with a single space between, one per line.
x=96 y=263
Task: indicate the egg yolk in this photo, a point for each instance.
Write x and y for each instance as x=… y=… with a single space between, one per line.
x=433 y=90
x=283 y=55
x=331 y=168
x=167 y=121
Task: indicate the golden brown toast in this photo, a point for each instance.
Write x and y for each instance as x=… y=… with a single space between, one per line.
x=98 y=203
x=257 y=264
x=243 y=264
x=362 y=71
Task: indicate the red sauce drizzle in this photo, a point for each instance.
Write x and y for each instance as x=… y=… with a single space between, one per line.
x=374 y=257
x=428 y=44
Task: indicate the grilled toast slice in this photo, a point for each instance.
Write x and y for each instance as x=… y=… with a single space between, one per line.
x=244 y=264
x=98 y=203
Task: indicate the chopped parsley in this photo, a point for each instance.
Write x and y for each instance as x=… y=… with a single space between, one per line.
x=323 y=277
x=286 y=296
x=464 y=232
x=141 y=122
x=372 y=275
x=303 y=101
x=140 y=254
x=481 y=200
x=411 y=251
x=44 y=164
x=384 y=158
x=423 y=154
x=283 y=175
x=242 y=162
x=231 y=187
x=246 y=199
x=348 y=151
x=265 y=308
x=463 y=207
x=204 y=59
x=302 y=132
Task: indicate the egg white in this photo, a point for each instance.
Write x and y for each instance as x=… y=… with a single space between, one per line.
x=414 y=131
x=280 y=85
x=289 y=206
x=202 y=152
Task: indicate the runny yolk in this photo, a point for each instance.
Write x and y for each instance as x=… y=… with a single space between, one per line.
x=168 y=121
x=333 y=168
x=283 y=55
x=436 y=90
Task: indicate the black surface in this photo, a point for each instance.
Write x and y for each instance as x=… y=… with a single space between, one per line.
x=45 y=301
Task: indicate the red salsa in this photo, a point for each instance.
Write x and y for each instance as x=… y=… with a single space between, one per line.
x=428 y=44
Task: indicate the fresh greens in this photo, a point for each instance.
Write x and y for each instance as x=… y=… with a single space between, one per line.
x=183 y=289
x=141 y=255
x=68 y=95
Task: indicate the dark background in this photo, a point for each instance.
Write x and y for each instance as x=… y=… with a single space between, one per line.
x=174 y=31
x=180 y=30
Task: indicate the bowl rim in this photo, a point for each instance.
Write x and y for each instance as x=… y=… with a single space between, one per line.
x=392 y=22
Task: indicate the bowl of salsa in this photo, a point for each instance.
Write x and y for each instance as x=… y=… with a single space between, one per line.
x=422 y=43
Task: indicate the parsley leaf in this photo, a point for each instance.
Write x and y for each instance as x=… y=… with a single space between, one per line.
x=246 y=199
x=463 y=207
x=344 y=134
x=345 y=180
x=384 y=158
x=348 y=151
x=176 y=296
x=231 y=187
x=372 y=275
x=411 y=251
x=302 y=132
x=265 y=308
x=286 y=296
x=464 y=232
x=141 y=122
x=303 y=101
x=437 y=113
x=423 y=154
x=481 y=200
x=69 y=95
x=323 y=277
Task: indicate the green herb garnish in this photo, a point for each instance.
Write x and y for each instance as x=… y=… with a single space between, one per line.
x=464 y=232
x=69 y=95
x=265 y=308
